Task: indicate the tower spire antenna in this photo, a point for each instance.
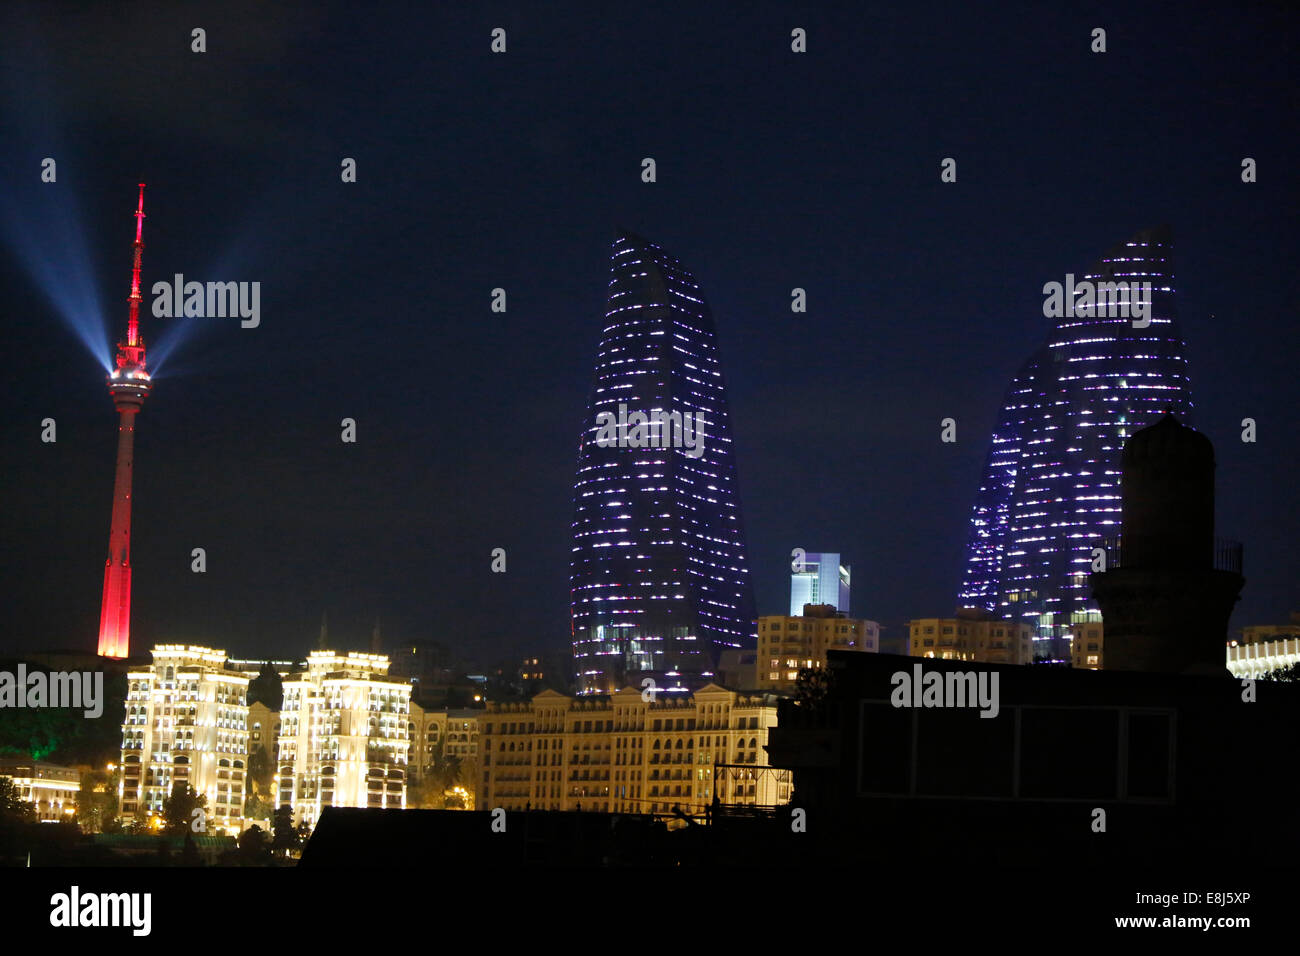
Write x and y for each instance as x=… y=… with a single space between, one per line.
x=129 y=384
x=133 y=323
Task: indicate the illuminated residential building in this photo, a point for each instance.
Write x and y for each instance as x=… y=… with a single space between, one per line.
x=436 y=733
x=52 y=790
x=1087 y=644
x=186 y=722
x=788 y=643
x=822 y=580
x=620 y=753
x=1050 y=494
x=426 y=731
x=659 y=576
x=462 y=733
x=263 y=728
x=972 y=636
x=343 y=736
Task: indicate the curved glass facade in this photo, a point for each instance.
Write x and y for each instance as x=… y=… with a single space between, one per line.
x=1049 y=493
x=659 y=576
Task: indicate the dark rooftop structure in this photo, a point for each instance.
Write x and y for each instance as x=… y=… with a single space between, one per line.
x=1173 y=761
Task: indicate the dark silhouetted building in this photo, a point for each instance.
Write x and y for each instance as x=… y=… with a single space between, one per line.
x=1172 y=762
x=1168 y=588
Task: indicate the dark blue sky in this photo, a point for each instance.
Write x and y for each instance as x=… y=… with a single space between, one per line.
x=478 y=171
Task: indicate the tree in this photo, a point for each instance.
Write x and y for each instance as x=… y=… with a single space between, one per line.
x=190 y=852
x=813 y=685
x=97 y=802
x=266 y=688
x=260 y=771
x=284 y=835
x=423 y=793
x=258 y=807
x=1288 y=674
x=253 y=848
x=468 y=778
x=258 y=803
x=178 y=809
x=13 y=808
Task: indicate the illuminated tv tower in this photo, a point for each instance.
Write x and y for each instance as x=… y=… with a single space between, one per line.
x=129 y=385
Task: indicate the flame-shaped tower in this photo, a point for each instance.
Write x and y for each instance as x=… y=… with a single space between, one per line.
x=129 y=385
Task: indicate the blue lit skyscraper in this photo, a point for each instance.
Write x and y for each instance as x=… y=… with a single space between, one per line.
x=659 y=575
x=1049 y=494
x=823 y=580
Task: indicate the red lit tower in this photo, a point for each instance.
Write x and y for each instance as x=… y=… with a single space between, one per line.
x=129 y=385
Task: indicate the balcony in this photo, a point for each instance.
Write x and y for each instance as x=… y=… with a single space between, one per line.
x=1226 y=555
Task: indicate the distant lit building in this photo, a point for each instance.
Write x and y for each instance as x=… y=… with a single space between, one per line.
x=186 y=722
x=972 y=636
x=1087 y=641
x=788 y=643
x=736 y=669
x=462 y=733
x=823 y=580
x=51 y=789
x=620 y=753
x=454 y=733
x=426 y=730
x=1270 y=632
x=343 y=736
x=1265 y=648
x=423 y=663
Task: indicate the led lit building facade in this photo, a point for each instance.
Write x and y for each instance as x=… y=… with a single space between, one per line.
x=186 y=722
x=659 y=576
x=343 y=736
x=620 y=753
x=1049 y=494
x=823 y=580
x=789 y=643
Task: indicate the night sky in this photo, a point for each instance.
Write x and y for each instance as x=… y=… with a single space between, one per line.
x=477 y=171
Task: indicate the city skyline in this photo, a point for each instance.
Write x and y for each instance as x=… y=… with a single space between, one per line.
x=675 y=440
x=921 y=295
